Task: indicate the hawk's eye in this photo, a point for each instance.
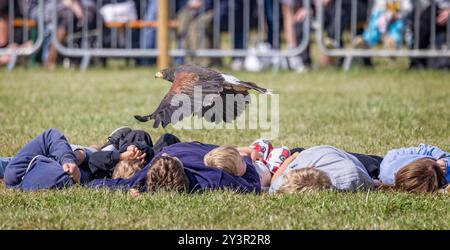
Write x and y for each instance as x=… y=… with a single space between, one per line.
x=282 y=157
x=263 y=149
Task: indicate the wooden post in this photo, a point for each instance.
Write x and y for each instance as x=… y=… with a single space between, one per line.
x=163 y=34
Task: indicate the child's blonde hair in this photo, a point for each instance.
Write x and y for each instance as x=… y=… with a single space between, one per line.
x=305 y=179
x=226 y=158
x=126 y=169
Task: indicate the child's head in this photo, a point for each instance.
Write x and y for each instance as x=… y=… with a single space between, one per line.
x=423 y=175
x=305 y=179
x=126 y=169
x=167 y=173
x=226 y=158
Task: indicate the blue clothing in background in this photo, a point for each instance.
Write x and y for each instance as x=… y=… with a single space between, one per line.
x=396 y=159
x=148 y=35
x=38 y=165
x=372 y=34
x=200 y=176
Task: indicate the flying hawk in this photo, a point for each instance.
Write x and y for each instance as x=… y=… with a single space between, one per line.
x=186 y=81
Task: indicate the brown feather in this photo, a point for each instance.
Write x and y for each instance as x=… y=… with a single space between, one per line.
x=184 y=81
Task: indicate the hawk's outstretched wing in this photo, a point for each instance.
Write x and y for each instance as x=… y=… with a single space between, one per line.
x=186 y=95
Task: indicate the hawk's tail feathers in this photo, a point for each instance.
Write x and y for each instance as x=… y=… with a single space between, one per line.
x=142 y=118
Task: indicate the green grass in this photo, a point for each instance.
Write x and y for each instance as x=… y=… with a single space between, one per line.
x=367 y=111
x=87 y=209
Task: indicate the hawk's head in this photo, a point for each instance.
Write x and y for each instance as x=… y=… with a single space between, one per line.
x=166 y=74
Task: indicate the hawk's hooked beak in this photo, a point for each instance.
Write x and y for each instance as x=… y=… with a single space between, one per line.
x=158 y=74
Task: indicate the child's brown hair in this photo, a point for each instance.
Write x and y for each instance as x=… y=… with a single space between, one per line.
x=226 y=158
x=420 y=176
x=168 y=174
x=305 y=179
x=126 y=169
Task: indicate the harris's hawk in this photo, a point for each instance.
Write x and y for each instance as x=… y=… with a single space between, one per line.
x=214 y=88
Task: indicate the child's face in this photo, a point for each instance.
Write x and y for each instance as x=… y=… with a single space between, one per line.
x=443 y=165
x=242 y=168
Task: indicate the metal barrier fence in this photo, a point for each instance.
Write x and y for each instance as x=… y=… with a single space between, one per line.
x=225 y=29
x=238 y=24
x=419 y=30
x=25 y=33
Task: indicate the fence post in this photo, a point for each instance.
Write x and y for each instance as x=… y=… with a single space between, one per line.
x=163 y=34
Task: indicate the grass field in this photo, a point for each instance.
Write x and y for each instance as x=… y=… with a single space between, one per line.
x=368 y=111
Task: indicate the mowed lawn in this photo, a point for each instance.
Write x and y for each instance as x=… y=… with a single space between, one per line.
x=367 y=111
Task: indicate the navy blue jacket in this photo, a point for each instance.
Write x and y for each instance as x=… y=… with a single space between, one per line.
x=39 y=163
x=200 y=176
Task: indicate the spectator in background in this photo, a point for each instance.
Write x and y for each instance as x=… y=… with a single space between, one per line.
x=442 y=20
x=81 y=10
x=269 y=14
x=148 y=35
x=4 y=19
x=387 y=18
x=180 y=4
x=4 y=27
x=195 y=29
x=239 y=42
x=294 y=15
x=335 y=31
x=67 y=8
x=4 y=30
x=4 y=24
x=237 y=63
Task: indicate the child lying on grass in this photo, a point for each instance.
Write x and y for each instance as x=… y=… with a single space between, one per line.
x=264 y=157
x=420 y=169
x=179 y=167
x=49 y=161
x=321 y=167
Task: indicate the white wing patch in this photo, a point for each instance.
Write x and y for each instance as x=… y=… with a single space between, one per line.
x=231 y=79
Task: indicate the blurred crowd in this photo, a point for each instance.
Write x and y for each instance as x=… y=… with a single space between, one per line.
x=380 y=23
